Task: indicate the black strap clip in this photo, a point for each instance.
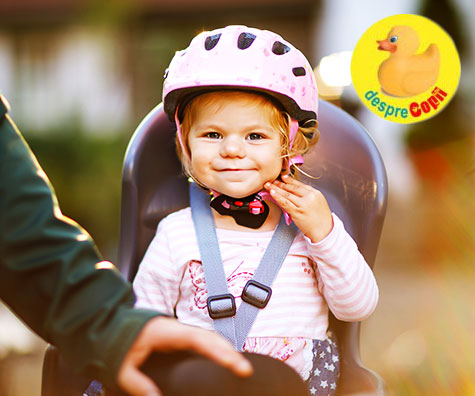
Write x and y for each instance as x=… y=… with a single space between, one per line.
x=256 y=294
x=221 y=306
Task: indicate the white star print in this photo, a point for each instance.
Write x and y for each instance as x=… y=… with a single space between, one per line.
x=335 y=358
x=331 y=367
x=332 y=385
x=317 y=372
x=313 y=391
x=329 y=349
x=322 y=355
x=323 y=384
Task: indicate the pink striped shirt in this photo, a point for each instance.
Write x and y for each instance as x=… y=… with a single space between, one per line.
x=315 y=277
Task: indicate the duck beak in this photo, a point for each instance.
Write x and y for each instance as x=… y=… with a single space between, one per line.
x=385 y=45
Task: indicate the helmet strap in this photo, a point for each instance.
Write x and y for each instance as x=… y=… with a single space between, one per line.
x=298 y=159
x=179 y=134
x=294 y=127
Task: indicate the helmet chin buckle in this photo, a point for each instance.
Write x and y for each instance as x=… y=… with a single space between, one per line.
x=250 y=211
x=256 y=207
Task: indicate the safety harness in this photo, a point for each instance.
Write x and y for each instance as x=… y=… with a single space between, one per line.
x=232 y=324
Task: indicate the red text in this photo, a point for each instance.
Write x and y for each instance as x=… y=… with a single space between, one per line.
x=432 y=103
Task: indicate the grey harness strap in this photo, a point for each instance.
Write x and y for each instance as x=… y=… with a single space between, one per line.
x=257 y=291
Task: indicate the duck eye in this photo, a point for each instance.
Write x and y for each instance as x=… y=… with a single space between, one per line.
x=393 y=39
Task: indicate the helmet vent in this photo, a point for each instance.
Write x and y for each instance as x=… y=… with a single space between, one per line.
x=299 y=71
x=245 y=40
x=279 y=48
x=211 y=41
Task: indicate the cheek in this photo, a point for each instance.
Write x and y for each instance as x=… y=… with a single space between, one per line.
x=195 y=164
x=193 y=152
x=198 y=170
x=276 y=164
x=199 y=161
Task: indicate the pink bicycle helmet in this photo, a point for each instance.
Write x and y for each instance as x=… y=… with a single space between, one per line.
x=243 y=58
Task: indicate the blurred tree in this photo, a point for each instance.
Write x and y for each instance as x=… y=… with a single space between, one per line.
x=442 y=151
x=85 y=171
x=427 y=140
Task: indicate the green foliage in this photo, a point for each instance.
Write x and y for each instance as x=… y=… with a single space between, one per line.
x=86 y=173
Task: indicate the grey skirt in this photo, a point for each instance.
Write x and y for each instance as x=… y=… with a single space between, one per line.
x=325 y=372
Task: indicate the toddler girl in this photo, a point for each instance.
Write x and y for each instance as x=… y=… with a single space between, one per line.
x=245 y=104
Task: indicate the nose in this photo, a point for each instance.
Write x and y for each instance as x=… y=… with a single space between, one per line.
x=232 y=146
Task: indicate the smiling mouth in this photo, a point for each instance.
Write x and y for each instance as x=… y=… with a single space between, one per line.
x=234 y=170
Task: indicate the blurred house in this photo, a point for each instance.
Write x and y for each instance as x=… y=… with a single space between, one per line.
x=100 y=64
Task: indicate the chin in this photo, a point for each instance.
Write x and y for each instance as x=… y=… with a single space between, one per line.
x=241 y=194
x=235 y=189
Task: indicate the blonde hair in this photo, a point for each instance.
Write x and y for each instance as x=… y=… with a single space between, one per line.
x=305 y=138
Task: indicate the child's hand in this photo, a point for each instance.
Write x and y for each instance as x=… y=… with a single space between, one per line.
x=307 y=206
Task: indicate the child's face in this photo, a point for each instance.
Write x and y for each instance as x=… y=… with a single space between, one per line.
x=234 y=150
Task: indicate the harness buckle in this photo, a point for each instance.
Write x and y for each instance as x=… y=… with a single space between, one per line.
x=221 y=306
x=256 y=294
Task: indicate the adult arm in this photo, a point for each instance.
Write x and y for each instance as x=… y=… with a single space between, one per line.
x=51 y=273
x=52 y=277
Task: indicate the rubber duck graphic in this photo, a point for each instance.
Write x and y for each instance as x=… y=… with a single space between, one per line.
x=406 y=73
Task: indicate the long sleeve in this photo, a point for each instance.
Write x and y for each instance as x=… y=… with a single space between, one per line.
x=156 y=284
x=344 y=277
x=51 y=273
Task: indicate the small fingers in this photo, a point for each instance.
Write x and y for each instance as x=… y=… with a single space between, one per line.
x=294 y=186
x=286 y=199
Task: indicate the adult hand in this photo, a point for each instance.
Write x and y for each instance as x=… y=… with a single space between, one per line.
x=307 y=206
x=166 y=334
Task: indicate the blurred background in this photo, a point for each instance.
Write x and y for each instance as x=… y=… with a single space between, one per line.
x=81 y=74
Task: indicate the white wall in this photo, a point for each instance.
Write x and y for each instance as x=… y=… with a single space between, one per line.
x=49 y=78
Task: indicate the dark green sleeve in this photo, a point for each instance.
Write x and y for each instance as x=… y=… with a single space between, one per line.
x=48 y=271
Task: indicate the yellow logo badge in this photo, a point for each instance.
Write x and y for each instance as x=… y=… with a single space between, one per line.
x=405 y=68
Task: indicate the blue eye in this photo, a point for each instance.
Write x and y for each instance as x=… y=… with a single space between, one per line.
x=393 y=39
